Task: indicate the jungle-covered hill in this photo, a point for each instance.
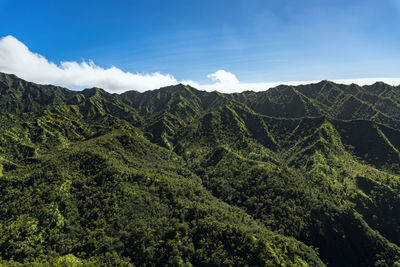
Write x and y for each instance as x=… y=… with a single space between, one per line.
x=292 y=176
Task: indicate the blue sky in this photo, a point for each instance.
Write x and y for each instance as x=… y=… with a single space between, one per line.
x=258 y=41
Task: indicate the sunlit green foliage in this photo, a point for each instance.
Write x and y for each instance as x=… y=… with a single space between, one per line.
x=182 y=177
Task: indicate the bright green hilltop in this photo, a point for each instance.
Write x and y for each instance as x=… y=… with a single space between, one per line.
x=293 y=176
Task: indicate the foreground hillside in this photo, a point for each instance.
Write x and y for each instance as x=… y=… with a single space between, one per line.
x=293 y=176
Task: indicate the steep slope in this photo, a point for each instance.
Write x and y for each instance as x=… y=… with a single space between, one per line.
x=19 y=96
x=178 y=176
x=378 y=102
x=170 y=109
x=137 y=204
x=282 y=101
x=80 y=184
x=297 y=177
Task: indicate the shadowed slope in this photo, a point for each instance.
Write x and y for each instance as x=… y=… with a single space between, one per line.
x=181 y=176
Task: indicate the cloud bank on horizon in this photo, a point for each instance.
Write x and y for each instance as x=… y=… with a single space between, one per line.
x=16 y=58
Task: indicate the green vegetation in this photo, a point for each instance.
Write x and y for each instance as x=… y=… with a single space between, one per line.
x=293 y=176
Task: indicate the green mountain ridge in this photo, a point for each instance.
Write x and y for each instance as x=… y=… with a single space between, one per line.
x=294 y=176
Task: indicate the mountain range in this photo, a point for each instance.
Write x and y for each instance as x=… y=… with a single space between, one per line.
x=293 y=176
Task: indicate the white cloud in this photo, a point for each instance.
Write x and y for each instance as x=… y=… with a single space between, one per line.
x=224 y=77
x=16 y=58
x=262 y=86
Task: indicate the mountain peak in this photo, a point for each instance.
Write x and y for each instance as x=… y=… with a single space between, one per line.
x=199 y=168
x=90 y=92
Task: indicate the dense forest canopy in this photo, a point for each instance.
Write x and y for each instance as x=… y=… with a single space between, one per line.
x=292 y=176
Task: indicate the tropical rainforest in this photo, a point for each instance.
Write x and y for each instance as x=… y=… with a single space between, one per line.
x=292 y=176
